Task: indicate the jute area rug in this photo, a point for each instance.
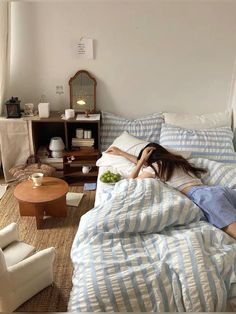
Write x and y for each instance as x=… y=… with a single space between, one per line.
x=57 y=232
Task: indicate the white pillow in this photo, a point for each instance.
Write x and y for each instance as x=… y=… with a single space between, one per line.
x=214 y=144
x=199 y=122
x=127 y=143
x=131 y=145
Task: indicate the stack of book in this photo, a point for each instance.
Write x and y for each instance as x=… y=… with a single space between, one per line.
x=54 y=162
x=57 y=163
x=82 y=142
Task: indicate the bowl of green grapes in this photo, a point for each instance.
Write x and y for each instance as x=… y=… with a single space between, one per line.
x=110 y=177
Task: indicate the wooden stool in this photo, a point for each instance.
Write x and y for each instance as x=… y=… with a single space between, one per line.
x=49 y=199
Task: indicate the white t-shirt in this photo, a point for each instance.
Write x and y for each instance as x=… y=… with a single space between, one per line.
x=179 y=179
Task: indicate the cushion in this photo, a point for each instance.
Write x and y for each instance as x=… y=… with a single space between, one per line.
x=22 y=172
x=147 y=128
x=16 y=252
x=131 y=145
x=198 y=122
x=127 y=143
x=214 y=144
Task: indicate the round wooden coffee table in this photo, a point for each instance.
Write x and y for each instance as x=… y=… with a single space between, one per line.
x=49 y=199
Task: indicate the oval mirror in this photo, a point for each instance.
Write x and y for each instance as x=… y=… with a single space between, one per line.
x=83 y=92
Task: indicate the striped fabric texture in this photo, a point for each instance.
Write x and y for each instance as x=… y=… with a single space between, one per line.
x=144 y=249
x=147 y=128
x=214 y=144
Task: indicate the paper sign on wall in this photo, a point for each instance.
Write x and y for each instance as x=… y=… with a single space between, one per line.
x=85 y=48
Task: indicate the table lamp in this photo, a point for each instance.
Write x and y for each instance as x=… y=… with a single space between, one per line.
x=82 y=102
x=56 y=146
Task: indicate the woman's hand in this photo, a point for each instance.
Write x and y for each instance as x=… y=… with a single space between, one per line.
x=146 y=154
x=114 y=151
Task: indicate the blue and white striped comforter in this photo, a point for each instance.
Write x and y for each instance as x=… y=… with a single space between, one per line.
x=146 y=250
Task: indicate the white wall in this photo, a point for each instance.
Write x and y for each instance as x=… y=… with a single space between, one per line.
x=149 y=55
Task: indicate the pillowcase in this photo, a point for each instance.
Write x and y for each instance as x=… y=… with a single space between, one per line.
x=147 y=128
x=214 y=144
x=199 y=122
x=131 y=145
x=127 y=143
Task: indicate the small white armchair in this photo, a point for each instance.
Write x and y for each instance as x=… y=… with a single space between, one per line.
x=22 y=280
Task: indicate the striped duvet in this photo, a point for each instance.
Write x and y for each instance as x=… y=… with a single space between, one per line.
x=145 y=249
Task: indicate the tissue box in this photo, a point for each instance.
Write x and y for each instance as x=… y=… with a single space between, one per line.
x=44 y=109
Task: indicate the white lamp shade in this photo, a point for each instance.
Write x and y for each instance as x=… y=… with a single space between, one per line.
x=56 y=144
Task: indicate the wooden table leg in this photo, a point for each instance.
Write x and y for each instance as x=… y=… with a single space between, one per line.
x=32 y=209
x=56 y=208
x=39 y=214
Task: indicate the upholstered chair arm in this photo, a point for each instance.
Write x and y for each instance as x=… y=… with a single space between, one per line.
x=32 y=267
x=8 y=235
x=30 y=276
x=20 y=282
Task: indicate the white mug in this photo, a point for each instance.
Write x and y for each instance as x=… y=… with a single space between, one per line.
x=37 y=179
x=86 y=169
x=69 y=113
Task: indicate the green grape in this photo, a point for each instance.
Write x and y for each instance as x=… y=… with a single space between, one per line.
x=110 y=177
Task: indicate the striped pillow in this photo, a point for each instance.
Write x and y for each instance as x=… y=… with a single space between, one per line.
x=147 y=128
x=214 y=144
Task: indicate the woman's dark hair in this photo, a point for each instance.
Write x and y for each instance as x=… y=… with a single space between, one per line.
x=167 y=162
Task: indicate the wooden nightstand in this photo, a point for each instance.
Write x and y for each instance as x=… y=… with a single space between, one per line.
x=74 y=161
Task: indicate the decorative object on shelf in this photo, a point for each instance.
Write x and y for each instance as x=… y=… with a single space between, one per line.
x=44 y=109
x=79 y=133
x=69 y=113
x=70 y=159
x=13 y=108
x=83 y=92
x=86 y=169
x=87 y=134
x=29 y=110
x=56 y=146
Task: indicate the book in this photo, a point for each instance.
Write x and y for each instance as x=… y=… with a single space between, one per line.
x=51 y=160
x=93 y=117
x=73 y=199
x=82 y=142
x=90 y=186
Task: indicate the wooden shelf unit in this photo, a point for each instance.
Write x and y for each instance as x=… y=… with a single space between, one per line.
x=44 y=129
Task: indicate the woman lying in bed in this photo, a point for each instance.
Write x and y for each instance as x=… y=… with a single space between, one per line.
x=154 y=161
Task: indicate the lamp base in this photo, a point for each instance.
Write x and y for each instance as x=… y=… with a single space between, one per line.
x=57 y=154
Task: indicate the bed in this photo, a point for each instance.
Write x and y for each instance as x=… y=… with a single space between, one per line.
x=145 y=247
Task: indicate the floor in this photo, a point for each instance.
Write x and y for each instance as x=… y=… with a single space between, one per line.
x=57 y=232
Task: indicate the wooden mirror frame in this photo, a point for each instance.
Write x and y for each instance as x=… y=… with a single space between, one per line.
x=94 y=89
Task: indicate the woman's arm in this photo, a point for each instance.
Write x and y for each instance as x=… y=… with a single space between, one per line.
x=145 y=155
x=116 y=151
